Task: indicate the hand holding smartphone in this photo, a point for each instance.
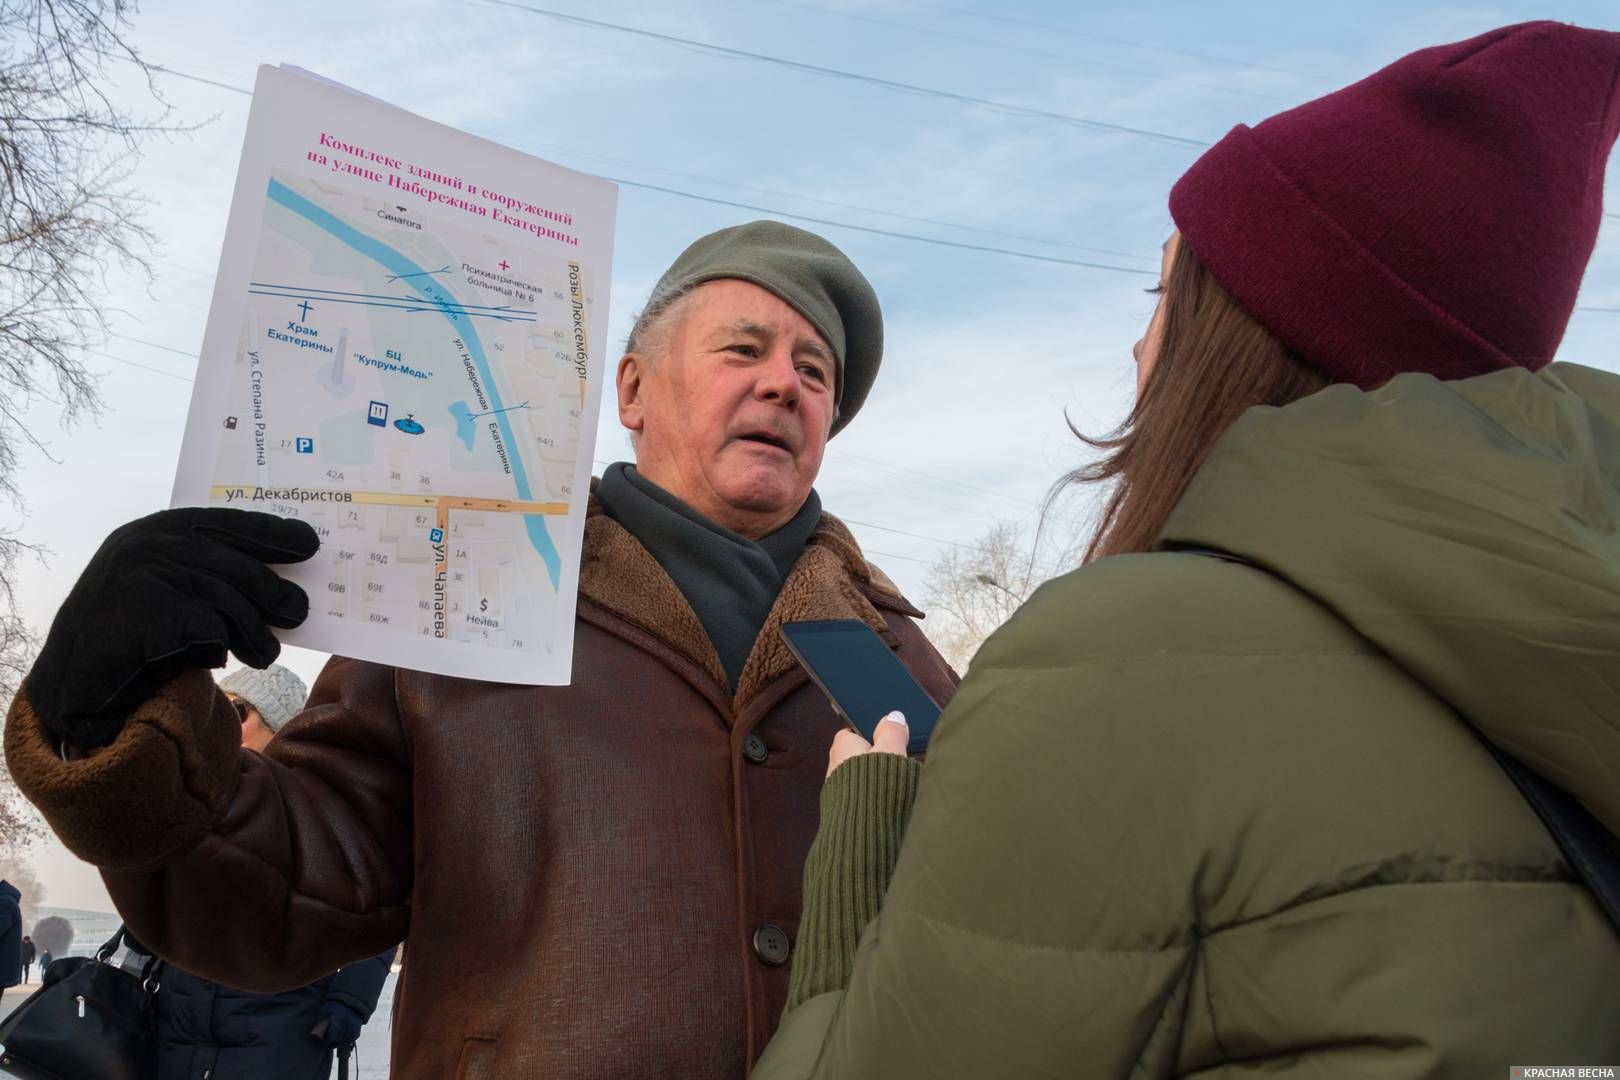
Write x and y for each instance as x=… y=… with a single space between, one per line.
x=861 y=676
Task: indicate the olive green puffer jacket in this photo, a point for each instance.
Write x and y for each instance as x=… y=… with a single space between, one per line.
x=1189 y=816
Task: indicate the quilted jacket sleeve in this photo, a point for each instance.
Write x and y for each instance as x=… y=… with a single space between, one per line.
x=865 y=805
x=360 y=985
x=264 y=872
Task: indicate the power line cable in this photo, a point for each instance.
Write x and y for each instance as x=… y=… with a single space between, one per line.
x=1025 y=50
x=892 y=555
x=200 y=79
x=143 y=367
x=902 y=532
x=175 y=300
x=933 y=496
x=155 y=345
x=828 y=222
x=1049 y=28
x=941 y=479
x=555 y=148
x=1006 y=107
x=186 y=269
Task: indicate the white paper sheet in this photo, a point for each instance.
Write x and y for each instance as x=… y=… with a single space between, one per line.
x=403 y=350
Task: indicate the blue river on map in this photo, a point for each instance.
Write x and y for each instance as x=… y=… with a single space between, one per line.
x=466 y=429
x=416 y=278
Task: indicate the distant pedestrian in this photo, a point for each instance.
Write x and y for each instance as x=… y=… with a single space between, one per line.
x=264 y=701
x=28 y=956
x=10 y=935
x=45 y=961
x=205 y=1029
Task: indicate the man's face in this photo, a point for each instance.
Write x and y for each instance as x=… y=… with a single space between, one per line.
x=734 y=414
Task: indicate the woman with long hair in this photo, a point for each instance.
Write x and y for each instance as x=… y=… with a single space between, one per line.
x=1225 y=798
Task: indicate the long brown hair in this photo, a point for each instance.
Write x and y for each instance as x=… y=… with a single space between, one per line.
x=1214 y=362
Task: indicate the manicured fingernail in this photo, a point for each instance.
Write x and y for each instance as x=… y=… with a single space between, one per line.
x=898 y=717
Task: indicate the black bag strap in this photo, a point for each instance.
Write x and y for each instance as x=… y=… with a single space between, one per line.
x=1590 y=849
x=148 y=970
x=105 y=953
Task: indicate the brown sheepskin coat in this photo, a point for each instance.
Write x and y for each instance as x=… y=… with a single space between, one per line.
x=580 y=873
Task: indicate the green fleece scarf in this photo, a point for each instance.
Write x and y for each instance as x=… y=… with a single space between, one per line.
x=730 y=581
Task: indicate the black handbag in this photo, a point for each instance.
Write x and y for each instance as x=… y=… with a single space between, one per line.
x=89 y=1021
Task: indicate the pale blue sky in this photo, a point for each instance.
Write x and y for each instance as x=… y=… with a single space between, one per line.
x=985 y=351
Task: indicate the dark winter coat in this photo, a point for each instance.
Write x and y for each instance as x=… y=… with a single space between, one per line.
x=10 y=934
x=596 y=880
x=211 y=1032
x=28 y=953
x=1196 y=817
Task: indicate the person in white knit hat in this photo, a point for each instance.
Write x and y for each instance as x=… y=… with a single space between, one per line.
x=265 y=700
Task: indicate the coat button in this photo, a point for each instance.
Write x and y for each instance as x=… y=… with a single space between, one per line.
x=755 y=750
x=771 y=944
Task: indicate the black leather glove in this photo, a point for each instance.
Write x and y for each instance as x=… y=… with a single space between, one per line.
x=166 y=593
x=338 y=1025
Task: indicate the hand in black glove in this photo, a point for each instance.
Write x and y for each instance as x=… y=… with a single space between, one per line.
x=164 y=594
x=343 y=1024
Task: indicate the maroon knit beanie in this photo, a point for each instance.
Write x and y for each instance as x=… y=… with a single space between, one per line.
x=1436 y=216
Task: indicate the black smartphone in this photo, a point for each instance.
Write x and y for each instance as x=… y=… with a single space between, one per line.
x=861 y=676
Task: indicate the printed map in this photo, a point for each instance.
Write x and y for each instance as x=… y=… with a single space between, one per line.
x=413 y=388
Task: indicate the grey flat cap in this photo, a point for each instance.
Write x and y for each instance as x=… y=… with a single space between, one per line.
x=808 y=273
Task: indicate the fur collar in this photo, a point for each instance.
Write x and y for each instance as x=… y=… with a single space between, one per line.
x=831 y=580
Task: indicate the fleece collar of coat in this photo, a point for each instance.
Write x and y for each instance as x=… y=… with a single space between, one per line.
x=831 y=580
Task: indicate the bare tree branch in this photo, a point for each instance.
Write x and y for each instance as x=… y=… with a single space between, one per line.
x=20 y=827
x=972 y=592
x=68 y=214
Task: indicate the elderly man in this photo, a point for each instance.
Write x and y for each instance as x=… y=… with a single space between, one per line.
x=595 y=880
